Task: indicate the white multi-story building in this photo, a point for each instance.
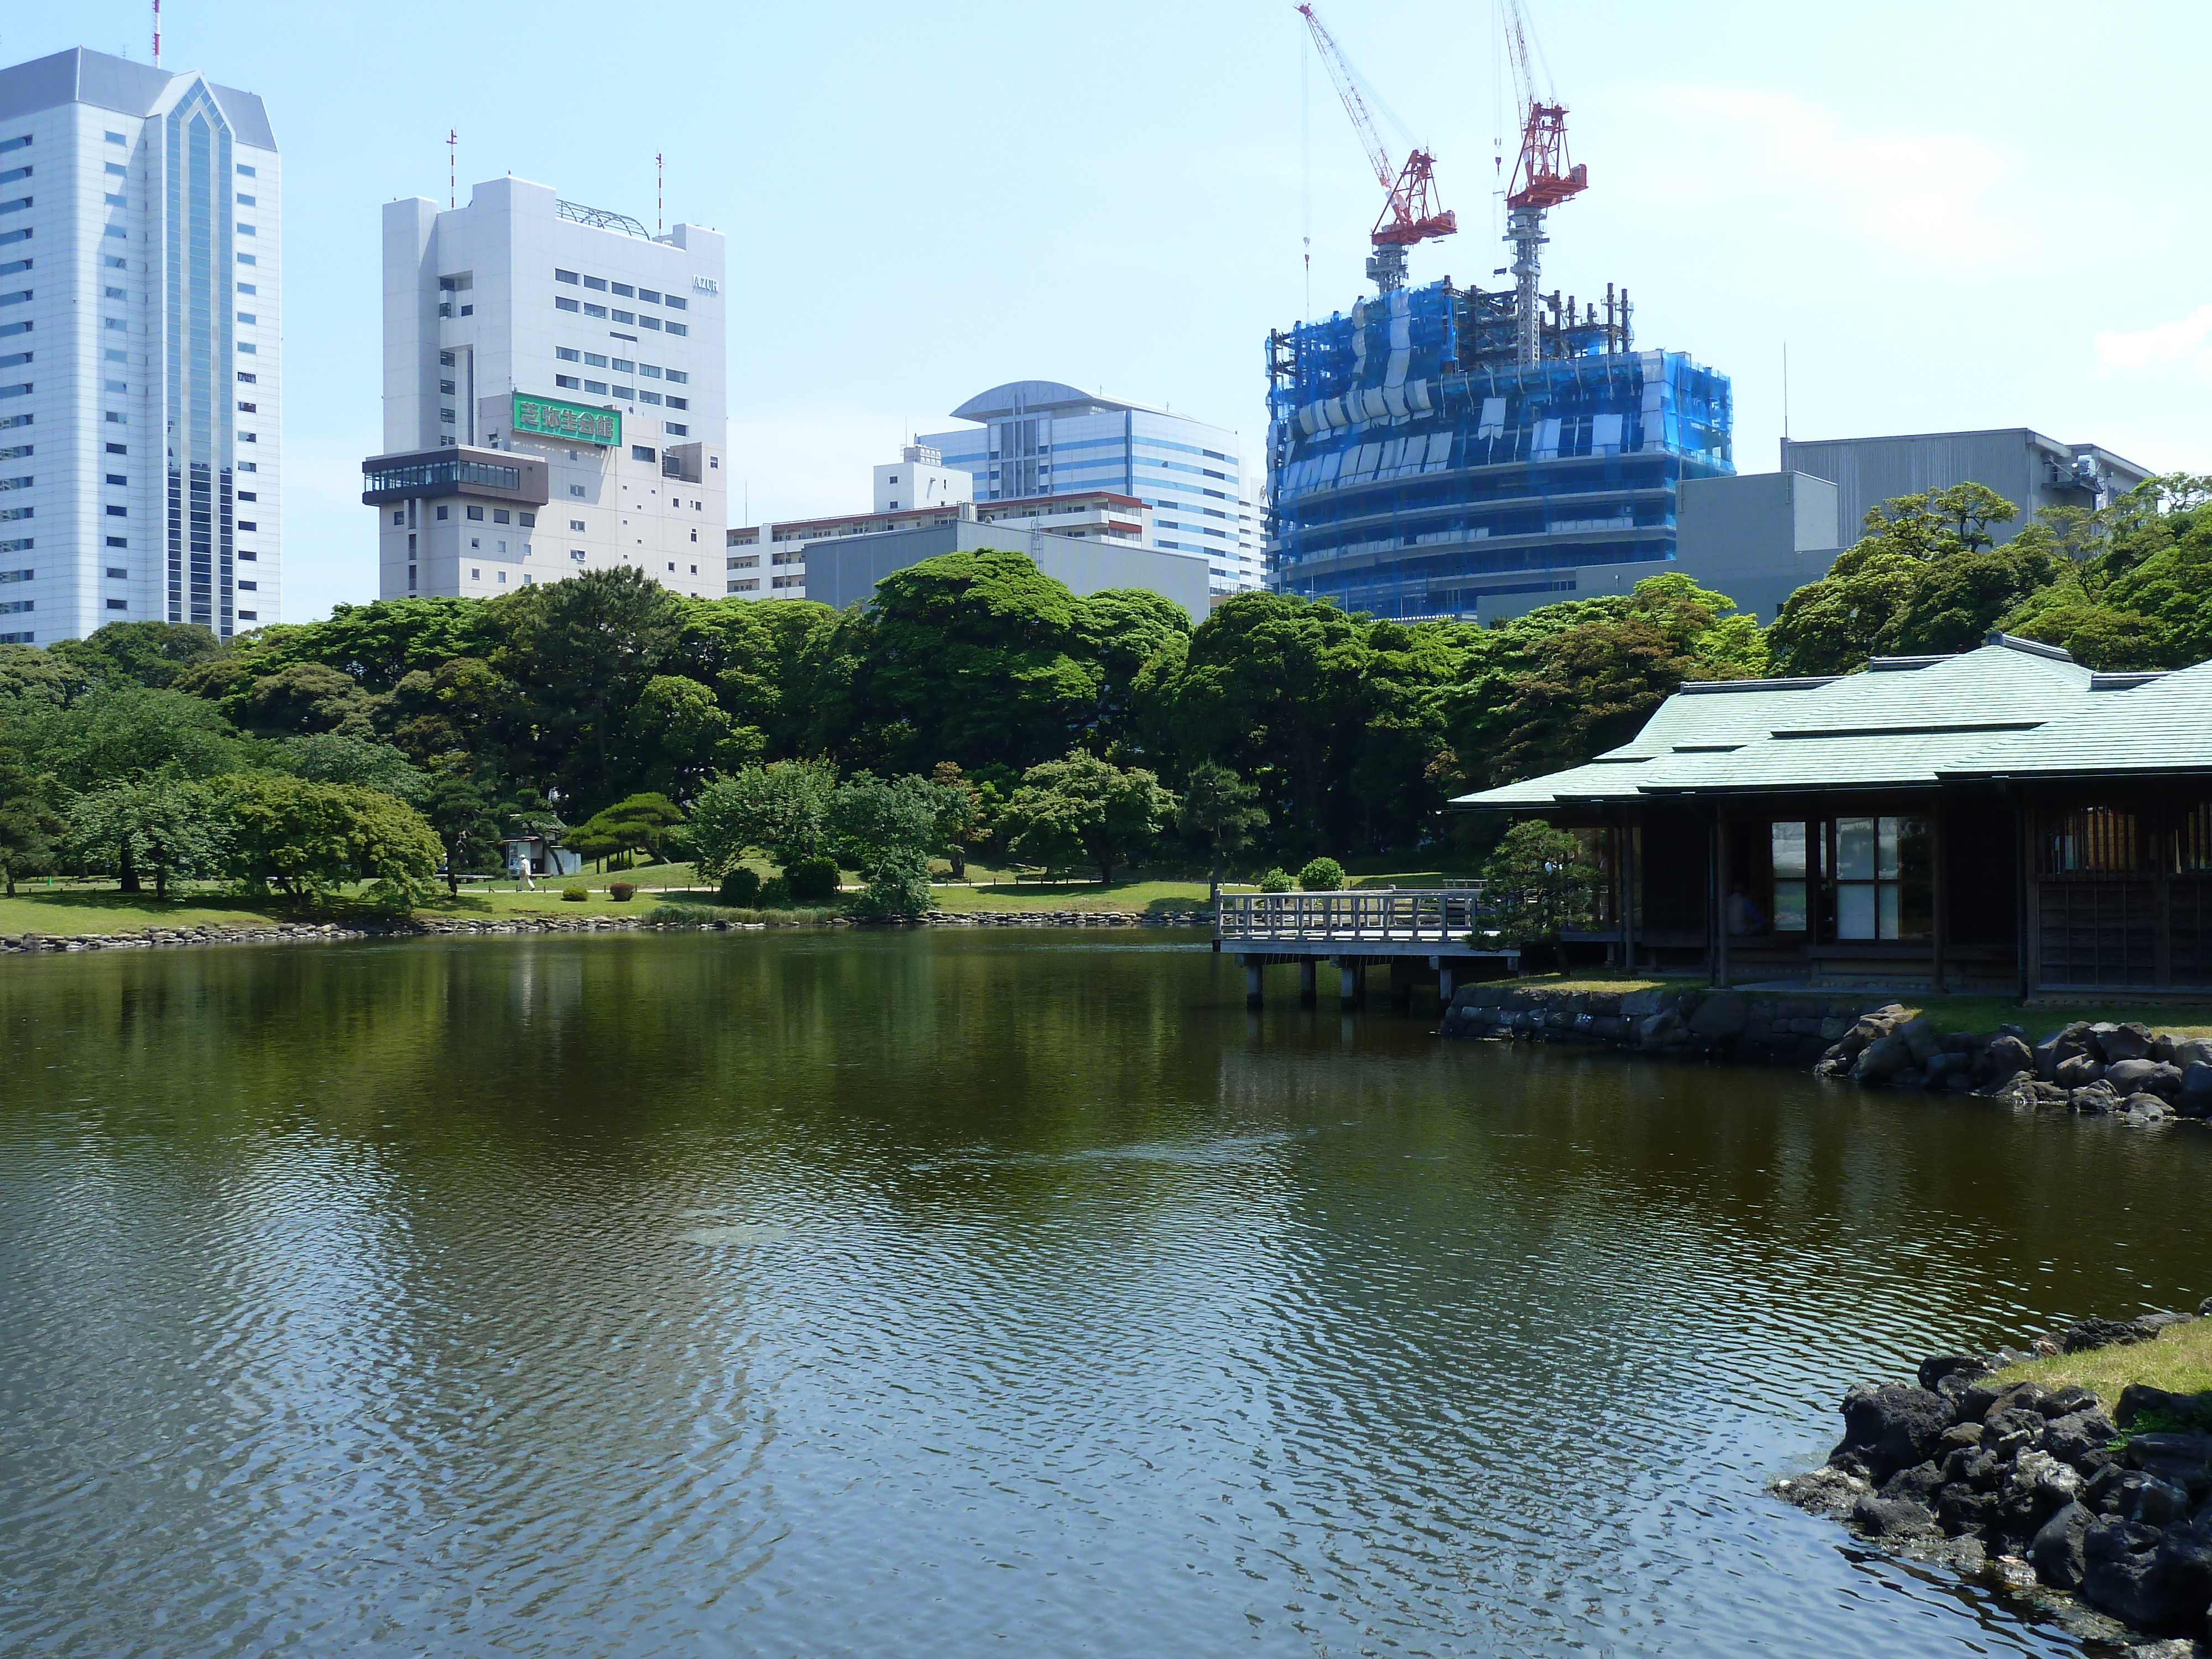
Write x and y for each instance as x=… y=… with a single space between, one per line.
x=141 y=380
x=553 y=397
x=919 y=478
x=1041 y=438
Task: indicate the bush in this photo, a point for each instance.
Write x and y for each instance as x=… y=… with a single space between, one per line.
x=621 y=891
x=1276 y=881
x=575 y=892
x=812 y=881
x=1322 y=876
x=740 y=887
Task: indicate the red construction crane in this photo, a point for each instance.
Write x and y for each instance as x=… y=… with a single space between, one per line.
x=1542 y=179
x=1410 y=213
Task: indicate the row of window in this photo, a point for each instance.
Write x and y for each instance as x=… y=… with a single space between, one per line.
x=585 y=307
x=600 y=388
x=620 y=365
x=645 y=295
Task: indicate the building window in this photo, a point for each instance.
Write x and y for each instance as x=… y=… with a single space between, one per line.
x=577 y=554
x=562 y=302
x=641 y=453
x=476 y=513
x=1883 y=890
x=244 y=171
x=575 y=489
x=598 y=386
x=675 y=402
x=598 y=283
x=745 y=584
x=448 y=388
x=567 y=382
x=590 y=310
x=399 y=516
x=117 y=541
x=117 y=573
x=675 y=429
x=476 y=573
x=250 y=587
x=445 y=360
x=621 y=316
x=118 y=604
x=441 y=512
x=568 y=354
x=678 y=328
x=560 y=276
x=595 y=360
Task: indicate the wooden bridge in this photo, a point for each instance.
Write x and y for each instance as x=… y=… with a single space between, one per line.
x=1415 y=931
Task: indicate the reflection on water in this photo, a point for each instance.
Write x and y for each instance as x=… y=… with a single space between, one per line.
x=914 y=1294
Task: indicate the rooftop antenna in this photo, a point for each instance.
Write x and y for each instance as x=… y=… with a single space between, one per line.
x=660 y=183
x=1785 y=392
x=452 y=168
x=157 y=33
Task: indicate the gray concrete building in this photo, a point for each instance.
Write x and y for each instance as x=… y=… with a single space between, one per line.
x=845 y=571
x=1758 y=536
x=2027 y=469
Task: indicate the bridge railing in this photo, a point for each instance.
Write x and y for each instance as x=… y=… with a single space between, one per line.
x=1443 y=915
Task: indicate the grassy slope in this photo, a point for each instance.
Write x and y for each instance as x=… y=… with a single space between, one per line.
x=2179 y=1359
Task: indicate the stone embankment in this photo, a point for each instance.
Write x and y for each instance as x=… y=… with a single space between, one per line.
x=2036 y=1490
x=2128 y=1072
x=290 y=933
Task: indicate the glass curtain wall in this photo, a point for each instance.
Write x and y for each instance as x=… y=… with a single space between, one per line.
x=199 y=360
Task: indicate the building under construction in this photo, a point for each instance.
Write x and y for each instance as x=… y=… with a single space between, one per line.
x=1449 y=452
x=1418 y=468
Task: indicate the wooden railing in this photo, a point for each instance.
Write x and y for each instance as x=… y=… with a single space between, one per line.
x=1442 y=915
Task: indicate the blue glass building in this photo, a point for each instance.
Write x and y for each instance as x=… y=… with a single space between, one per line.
x=1417 y=469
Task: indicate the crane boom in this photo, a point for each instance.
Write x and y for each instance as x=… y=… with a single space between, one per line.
x=1410 y=213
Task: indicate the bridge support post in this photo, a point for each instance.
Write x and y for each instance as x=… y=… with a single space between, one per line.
x=1308 y=993
x=1348 y=987
x=1447 y=983
x=1251 y=981
x=1401 y=983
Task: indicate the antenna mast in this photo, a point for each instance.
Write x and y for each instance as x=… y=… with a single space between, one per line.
x=660 y=190
x=452 y=168
x=157 y=33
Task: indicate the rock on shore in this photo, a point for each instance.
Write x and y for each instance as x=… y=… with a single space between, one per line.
x=2035 y=1488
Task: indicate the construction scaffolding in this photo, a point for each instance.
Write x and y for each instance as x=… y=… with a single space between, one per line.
x=1418 y=468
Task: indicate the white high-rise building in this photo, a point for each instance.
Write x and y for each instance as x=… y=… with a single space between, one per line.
x=1043 y=438
x=553 y=397
x=141 y=379
x=919 y=478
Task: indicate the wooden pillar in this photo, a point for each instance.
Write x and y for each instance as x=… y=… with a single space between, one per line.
x=1629 y=876
x=1939 y=895
x=1308 y=995
x=1348 y=988
x=1447 y=981
x=1720 y=897
x=1251 y=981
x=2030 y=897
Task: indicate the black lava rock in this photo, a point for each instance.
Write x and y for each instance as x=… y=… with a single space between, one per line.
x=2056 y=1551
x=1890 y=1427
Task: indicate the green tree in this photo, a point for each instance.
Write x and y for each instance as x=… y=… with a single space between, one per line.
x=1222 y=810
x=347 y=758
x=678 y=736
x=781 y=808
x=1082 y=802
x=636 y=824
x=583 y=651
x=963 y=819
x=310 y=839
x=170 y=826
x=1534 y=885
x=28 y=822
x=1568 y=682
x=885 y=827
x=461 y=812
x=153 y=655
x=303 y=697
x=121 y=733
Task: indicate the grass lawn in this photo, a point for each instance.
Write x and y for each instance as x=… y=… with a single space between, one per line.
x=1949 y=1013
x=2177 y=1360
x=1146 y=894
x=88 y=909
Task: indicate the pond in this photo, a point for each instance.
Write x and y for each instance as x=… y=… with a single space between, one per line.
x=921 y=1293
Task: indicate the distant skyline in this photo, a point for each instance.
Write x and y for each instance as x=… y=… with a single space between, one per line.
x=1969 y=215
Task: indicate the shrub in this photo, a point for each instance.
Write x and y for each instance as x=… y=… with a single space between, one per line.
x=1322 y=876
x=741 y=887
x=575 y=892
x=1276 y=881
x=810 y=881
x=620 y=891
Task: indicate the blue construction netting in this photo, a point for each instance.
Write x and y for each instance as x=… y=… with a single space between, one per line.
x=1413 y=472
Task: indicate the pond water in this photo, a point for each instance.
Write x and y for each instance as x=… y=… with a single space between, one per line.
x=926 y=1294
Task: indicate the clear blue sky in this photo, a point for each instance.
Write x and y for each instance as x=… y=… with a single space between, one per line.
x=1956 y=215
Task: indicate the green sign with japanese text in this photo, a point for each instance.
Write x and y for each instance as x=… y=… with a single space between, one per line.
x=549 y=417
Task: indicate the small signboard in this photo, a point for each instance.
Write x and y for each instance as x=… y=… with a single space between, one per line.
x=549 y=417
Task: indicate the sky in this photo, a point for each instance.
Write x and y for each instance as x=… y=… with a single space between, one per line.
x=1949 y=215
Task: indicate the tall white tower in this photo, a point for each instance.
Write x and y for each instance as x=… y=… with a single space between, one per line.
x=141 y=362
x=553 y=397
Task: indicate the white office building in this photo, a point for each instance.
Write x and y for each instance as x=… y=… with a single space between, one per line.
x=553 y=397
x=1041 y=438
x=919 y=478
x=141 y=377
